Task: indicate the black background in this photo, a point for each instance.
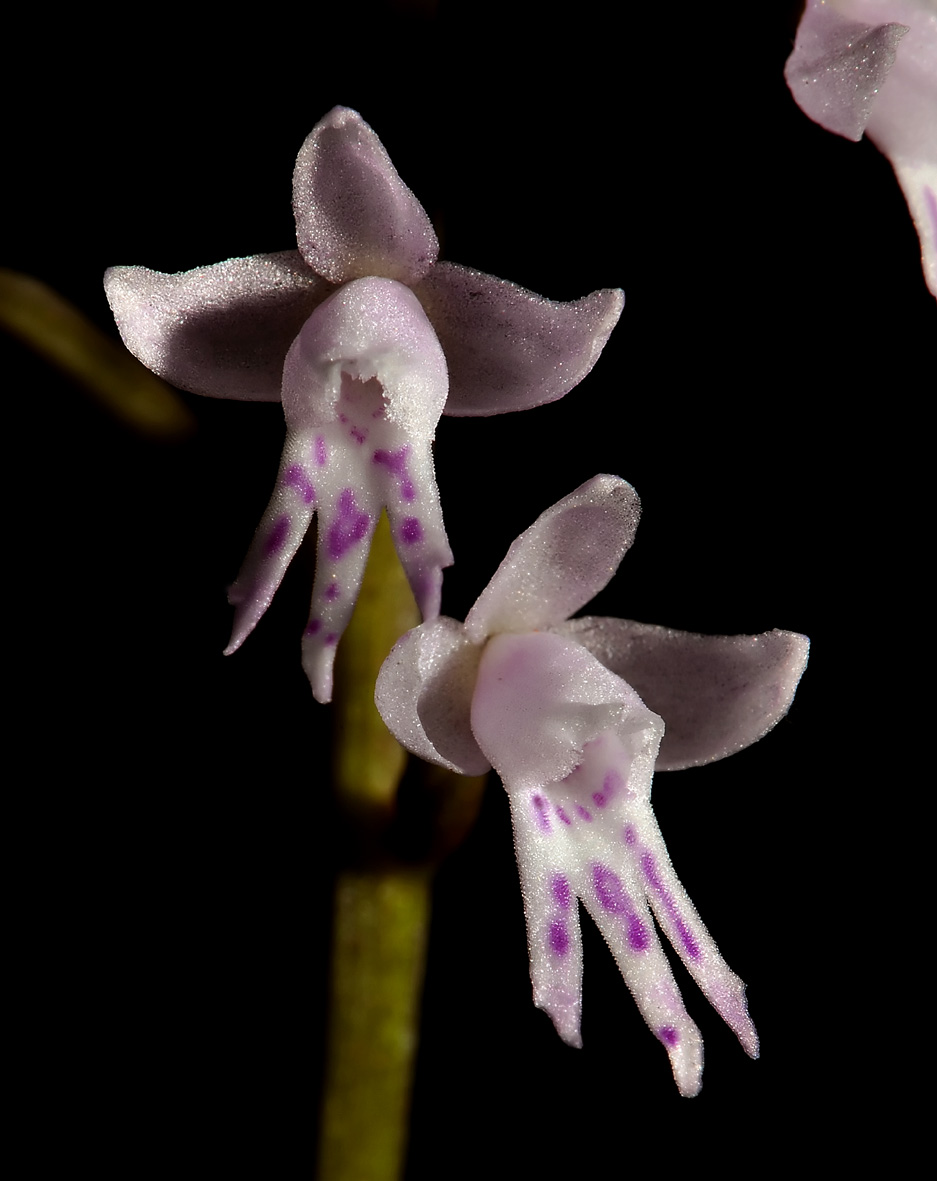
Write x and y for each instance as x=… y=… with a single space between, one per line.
x=169 y=828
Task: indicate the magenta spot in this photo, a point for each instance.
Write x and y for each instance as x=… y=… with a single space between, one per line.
x=378 y=413
x=332 y=592
x=559 y=938
x=411 y=531
x=396 y=464
x=296 y=478
x=687 y=938
x=350 y=527
x=609 y=890
x=598 y=799
x=540 y=808
x=638 y=935
x=321 y=453
x=277 y=536
x=611 y=783
x=358 y=435
x=331 y=638
x=668 y=1035
x=313 y=626
x=582 y=812
x=562 y=815
x=629 y=836
x=560 y=888
x=343 y=418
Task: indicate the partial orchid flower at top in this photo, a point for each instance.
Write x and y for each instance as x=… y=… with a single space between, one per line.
x=562 y=709
x=367 y=340
x=871 y=66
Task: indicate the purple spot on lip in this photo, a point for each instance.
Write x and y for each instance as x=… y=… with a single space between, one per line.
x=611 y=783
x=559 y=938
x=296 y=478
x=411 y=531
x=331 y=638
x=540 y=808
x=629 y=835
x=609 y=890
x=668 y=1035
x=637 y=933
x=560 y=888
x=687 y=938
x=598 y=799
x=396 y=464
x=321 y=454
x=358 y=435
x=582 y=812
x=332 y=592
x=313 y=626
x=613 y=898
x=277 y=536
x=562 y=815
x=350 y=527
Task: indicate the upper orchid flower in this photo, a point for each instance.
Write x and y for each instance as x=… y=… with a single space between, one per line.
x=562 y=709
x=367 y=340
x=871 y=66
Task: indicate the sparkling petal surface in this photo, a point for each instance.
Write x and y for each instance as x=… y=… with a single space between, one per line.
x=364 y=384
x=354 y=215
x=871 y=65
x=562 y=561
x=222 y=330
x=509 y=349
x=540 y=698
x=424 y=694
x=717 y=694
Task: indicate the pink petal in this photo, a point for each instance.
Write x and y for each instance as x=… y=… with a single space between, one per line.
x=354 y=215
x=507 y=348
x=716 y=694
x=220 y=330
x=838 y=65
x=540 y=698
x=871 y=65
x=561 y=562
x=424 y=694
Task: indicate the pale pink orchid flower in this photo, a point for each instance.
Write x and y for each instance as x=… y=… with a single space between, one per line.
x=870 y=66
x=575 y=715
x=366 y=339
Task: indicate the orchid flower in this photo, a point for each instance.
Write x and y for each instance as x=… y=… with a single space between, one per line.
x=571 y=714
x=871 y=66
x=366 y=340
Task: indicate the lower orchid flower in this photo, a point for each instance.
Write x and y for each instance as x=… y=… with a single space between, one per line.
x=571 y=713
x=366 y=339
x=870 y=66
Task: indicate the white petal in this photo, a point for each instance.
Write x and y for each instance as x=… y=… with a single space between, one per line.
x=424 y=694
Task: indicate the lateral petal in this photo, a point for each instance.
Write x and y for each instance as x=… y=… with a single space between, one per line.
x=222 y=330
x=561 y=562
x=716 y=694
x=354 y=215
x=838 y=65
x=507 y=348
x=424 y=694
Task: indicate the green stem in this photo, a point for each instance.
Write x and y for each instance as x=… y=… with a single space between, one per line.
x=382 y=900
x=378 y=959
